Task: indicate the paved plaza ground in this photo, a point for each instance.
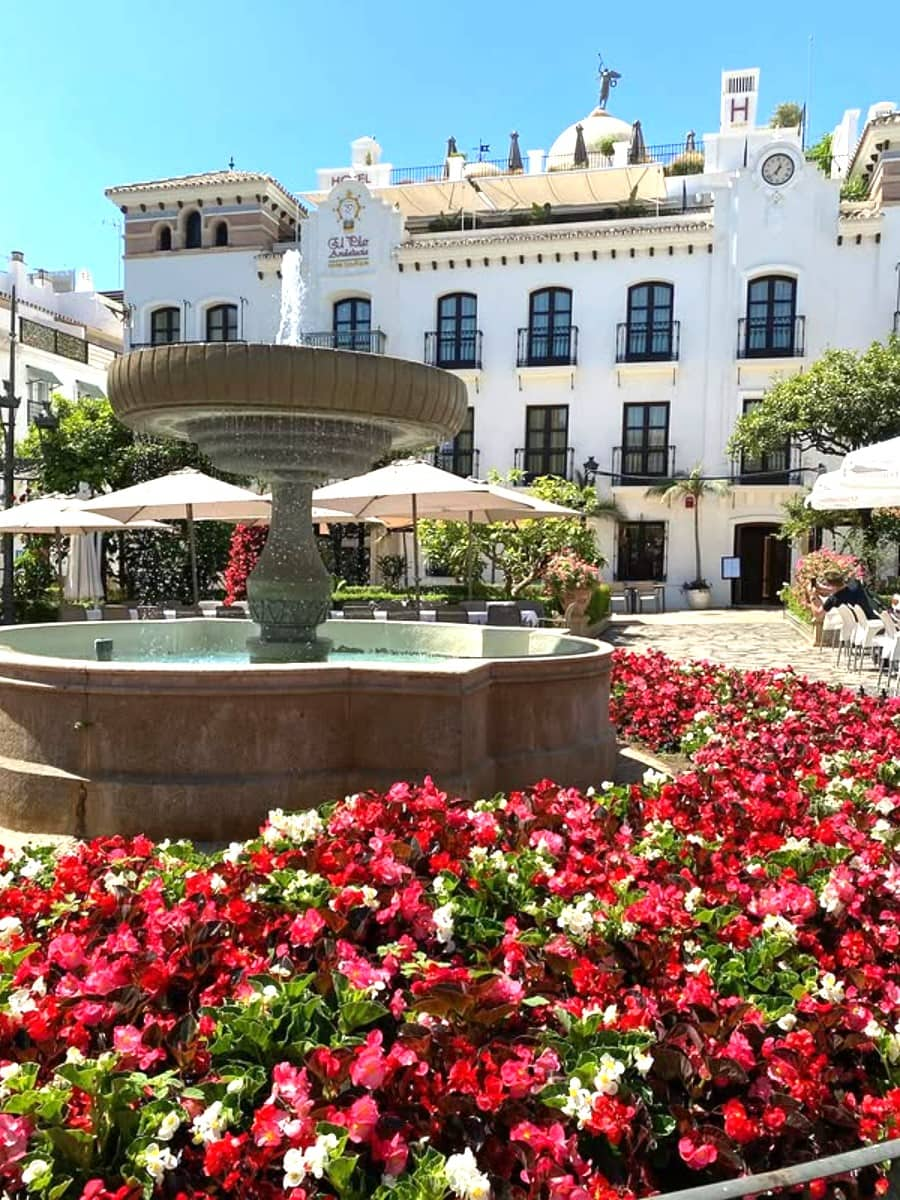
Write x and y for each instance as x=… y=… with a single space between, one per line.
x=746 y=638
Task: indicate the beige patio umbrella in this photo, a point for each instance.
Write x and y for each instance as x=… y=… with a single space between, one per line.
x=185 y=495
x=402 y=492
x=59 y=515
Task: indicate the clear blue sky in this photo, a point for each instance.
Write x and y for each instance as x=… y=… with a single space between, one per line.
x=101 y=93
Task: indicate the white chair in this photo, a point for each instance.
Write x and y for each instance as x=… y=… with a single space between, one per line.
x=846 y=633
x=864 y=637
x=831 y=629
x=890 y=648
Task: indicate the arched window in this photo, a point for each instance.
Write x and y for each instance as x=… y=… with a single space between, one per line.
x=457 y=336
x=771 y=328
x=650 y=327
x=222 y=323
x=221 y=238
x=193 y=231
x=164 y=238
x=165 y=326
x=353 y=324
x=550 y=330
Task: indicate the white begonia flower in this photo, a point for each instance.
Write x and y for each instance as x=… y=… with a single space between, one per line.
x=74 y=1056
x=370 y=896
x=233 y=853
x=692 y=898
x=315 y=1157
x=478 y=854
x=115 y=880
x=235 y=1086
x=885 y=806
x=882 y=830
x=216 y=882
x=464 y=1178
x=643 y=1061
x=169 y=1125
x=293 y=827
x=652 y=778
x=209 y=1125
x=30 y=867
x=35 y=1170
x=578 y=918
x=156 y=1160
x=776 y=924
x=787 y=1022
x=608 y=1075
x=443 y=924
x=294 y=1167
x=10 y=927
x=829 y=898
x=579 y=1102
x=830 y=988
x=20 y=1002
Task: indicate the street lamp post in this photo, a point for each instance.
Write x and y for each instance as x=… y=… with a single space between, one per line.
x=10 y=402
x=590 y=467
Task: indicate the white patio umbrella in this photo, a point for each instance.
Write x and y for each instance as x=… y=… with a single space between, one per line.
x=58 y=515
x=867 y=478
x=185 y=495
x=879 y=463
x=402 y=492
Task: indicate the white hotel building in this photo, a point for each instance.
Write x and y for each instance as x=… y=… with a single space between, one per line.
x=611 y=314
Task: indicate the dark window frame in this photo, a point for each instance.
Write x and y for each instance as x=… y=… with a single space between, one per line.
x=193 y=230
x=645 y=460
x=550 y=331
x=169 y=318
x=222 y=323
x=164 y=237
x=772 y=466
x=650 y=327
x=543 y=458
x=458 y=455
x=647 y=559
x=353 y=332
x=457 y=330
x=770 y=330
x=220 y=234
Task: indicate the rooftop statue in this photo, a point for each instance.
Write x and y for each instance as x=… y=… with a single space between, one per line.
x=608 y=79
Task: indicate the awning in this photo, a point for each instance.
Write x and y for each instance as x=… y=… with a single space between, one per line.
x=88 y=389
x=39 y=375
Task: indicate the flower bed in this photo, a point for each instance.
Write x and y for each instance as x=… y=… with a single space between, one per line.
x=547 y=995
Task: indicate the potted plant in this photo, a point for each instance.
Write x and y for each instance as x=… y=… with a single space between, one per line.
x=691 y=490
x=572 y=580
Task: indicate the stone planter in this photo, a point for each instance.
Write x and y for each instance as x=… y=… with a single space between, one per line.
x=698 y=598
x=575 y=606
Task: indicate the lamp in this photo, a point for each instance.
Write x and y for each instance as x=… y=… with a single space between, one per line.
x=590 y=467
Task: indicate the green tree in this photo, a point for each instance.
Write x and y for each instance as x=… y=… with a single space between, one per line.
x=519 y=551
x=696 y=488
x=90 y=445
x=820 y=154
x=787 y=116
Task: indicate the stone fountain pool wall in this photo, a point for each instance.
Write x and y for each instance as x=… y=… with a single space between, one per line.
x=91 y=748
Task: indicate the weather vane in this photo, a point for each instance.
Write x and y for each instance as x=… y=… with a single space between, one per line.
x=608 y=79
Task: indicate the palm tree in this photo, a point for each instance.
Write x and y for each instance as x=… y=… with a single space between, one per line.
x=681 y=487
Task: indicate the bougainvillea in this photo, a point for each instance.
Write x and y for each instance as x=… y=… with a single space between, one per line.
x=247 y=543
x=816 y=565
x=550 y=995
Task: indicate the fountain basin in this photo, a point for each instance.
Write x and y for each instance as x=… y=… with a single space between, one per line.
x=204 y=751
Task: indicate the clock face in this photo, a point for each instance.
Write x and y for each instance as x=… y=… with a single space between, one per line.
x=778 y=169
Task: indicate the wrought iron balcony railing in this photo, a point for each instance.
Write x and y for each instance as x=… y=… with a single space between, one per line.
x=363 y=341
x=453 y=351
x=771 y=337
x=548 y=347
x=539 y=460
x=640 y=342
x=54 y=341
x=458 y=462
x=642 y=464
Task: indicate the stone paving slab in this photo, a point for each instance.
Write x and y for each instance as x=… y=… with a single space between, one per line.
x=744 y=638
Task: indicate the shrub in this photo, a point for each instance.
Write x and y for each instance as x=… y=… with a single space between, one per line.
x=247 y=544
x=815 y=565
x=689 y=163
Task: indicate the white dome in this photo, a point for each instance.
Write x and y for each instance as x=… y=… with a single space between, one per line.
x=598 y=126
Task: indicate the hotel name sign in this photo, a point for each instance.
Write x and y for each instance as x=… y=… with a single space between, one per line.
x=350 y=248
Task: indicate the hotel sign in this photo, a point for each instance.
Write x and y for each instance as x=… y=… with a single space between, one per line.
x=350 y=248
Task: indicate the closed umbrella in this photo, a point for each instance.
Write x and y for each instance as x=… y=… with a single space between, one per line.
x=185 y=495
x=637 y=151
x=402 y=492
x=83 y=578
x=514 y=160
x=581 y=154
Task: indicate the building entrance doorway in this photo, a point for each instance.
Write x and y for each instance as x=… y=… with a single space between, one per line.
x=765 y=564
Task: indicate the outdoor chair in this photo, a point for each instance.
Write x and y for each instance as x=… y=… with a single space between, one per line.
x=502 y=614
x=457 y=615
x=864 y=636
x=846 y=634
x=888 y=645
x=358 y=612
x=831 y=629
x=473 y=605
x=619 y=598
x=646 y=595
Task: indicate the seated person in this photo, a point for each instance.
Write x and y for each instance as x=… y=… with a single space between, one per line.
x=895 y=604
x=835 y=590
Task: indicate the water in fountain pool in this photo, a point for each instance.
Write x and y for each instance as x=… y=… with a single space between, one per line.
x=293 y=292
x=221 y=657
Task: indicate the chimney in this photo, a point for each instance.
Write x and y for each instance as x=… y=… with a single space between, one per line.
x=17 y=256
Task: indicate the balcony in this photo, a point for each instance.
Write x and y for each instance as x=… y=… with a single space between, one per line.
x=454 y=351
x=642 y=465
x=778 y=468
x=54 y=341
x=771 y=337
x=641 y=343
x=537 y=461
x=458 y=462
x=363 y=341
x=548 y=347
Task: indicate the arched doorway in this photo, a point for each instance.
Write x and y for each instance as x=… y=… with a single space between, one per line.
x=765 y=564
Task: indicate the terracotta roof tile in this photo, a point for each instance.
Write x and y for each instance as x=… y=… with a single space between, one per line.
x=206 y=179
